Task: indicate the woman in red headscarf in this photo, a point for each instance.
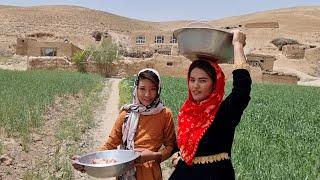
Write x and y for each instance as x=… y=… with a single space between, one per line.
x=206 y=122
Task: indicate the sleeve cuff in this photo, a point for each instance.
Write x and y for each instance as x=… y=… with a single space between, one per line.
x=242 y=66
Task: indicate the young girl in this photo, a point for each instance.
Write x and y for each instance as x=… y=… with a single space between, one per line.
x=145 y=125
x=206 y=122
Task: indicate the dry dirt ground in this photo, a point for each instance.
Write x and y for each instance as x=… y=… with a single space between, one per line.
x=44 y=154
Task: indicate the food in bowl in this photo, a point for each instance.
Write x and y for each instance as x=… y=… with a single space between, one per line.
x=124 y=162
x=103 y=161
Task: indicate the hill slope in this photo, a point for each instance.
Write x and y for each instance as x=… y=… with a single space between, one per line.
x=77 y=23
x=73 y=22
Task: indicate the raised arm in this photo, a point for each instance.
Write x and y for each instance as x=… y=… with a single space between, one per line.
x=239 y=98
x=239 y=41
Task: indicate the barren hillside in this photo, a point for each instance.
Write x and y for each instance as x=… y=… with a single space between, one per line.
x=77 y=23
x=72 y=22
x=301 y=23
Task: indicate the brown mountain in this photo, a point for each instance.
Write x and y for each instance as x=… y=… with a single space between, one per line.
x=72 y=22
x=77 y=24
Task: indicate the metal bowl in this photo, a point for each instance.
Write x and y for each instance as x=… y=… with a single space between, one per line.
x=125 y=161
x=205 y=42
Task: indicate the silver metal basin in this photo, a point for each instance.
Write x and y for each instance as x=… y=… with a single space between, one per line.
x=204 y=42
x=125 y=161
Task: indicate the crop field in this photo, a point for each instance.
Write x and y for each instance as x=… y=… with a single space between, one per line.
x=278 y=136
x=25 y=94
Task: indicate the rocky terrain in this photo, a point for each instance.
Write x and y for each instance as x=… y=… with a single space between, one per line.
x=57 y=23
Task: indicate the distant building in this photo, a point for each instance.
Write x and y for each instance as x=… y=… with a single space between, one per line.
x=32 y=47
x=293 y=51
x=265 y=62
x=262 y=25
x=153 y=41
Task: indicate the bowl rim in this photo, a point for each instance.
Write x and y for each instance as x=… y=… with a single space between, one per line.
x=77 y=161
x=178 y=31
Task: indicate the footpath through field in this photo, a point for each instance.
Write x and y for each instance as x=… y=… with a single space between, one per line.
x=105 y=119
x=109 y=114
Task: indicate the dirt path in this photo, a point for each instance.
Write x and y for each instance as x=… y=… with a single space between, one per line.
x=104 y=118
x=109 y=113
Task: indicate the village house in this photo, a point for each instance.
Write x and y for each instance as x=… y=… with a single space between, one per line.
x=262 y=25
x=265 y=62
x=293 y=51
x=32 y=47
x=153 y=41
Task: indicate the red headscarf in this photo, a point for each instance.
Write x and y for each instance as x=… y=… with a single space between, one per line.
x=194 y=119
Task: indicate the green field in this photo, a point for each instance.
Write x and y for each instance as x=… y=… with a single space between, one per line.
x=278 y=136
x=25 y=94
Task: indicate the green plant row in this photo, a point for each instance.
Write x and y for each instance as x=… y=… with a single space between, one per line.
x=25 y=94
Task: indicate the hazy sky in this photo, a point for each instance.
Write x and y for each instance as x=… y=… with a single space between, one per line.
x=166 y=10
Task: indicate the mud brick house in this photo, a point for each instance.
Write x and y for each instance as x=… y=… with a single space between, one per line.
x=32 y=47
x=153 y=41
x=265 y=62
x=293 y=51
x=262 y=25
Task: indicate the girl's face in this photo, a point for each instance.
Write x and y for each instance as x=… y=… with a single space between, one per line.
x=200 y=84
x=147 y=91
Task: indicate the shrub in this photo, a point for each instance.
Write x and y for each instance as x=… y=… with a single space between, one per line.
x=96 y=35
x=105 y=55
x=79 y=58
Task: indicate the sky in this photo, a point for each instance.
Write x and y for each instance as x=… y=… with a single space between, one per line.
x=169 y=10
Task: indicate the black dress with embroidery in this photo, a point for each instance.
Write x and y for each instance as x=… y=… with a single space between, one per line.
x=219 y=136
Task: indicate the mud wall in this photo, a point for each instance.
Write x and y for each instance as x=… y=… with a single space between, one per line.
x=294 y=51
x=176 y=66
x=279 y=78
x=262 y=25
x=50 y=63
